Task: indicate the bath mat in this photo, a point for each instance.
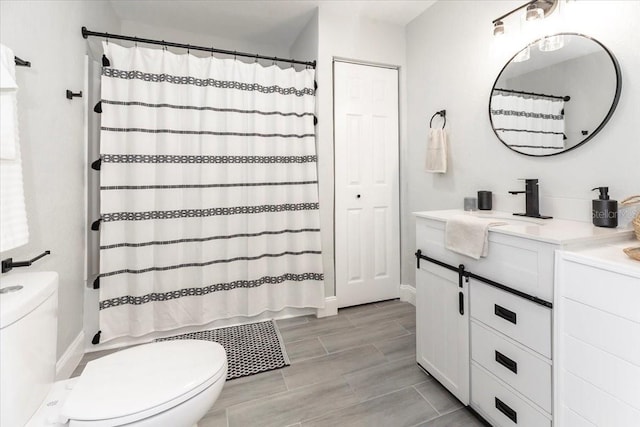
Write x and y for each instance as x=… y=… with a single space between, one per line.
x=252 y=348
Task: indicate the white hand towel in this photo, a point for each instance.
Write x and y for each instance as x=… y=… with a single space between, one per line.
x=13 y=214
x=469 y=235
x=437 y=151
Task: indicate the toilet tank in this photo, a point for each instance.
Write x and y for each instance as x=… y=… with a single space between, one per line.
x=28 y=336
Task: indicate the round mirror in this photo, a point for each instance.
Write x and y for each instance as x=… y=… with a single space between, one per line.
x=555 y=95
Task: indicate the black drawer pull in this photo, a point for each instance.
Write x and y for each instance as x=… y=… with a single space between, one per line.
x=510 y=364
x=461 y=303
x=507 y=315
x=508 y=412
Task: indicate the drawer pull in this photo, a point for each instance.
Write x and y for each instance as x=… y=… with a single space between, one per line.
x=507 y=315
x=506 y=410
x=461 y=303
x=510 y=364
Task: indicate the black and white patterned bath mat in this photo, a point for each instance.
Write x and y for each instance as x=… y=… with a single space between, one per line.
x=252 y=348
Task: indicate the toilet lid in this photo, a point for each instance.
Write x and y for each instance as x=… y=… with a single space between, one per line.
x=145 y=379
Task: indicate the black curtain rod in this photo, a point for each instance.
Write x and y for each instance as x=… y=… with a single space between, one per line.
x=564 y=98
x=22 y=63
x=86 y=33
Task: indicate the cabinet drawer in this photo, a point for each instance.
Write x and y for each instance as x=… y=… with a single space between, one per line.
x=500 y=405
x=522 y=320
x=519 y=368
x=522 y=264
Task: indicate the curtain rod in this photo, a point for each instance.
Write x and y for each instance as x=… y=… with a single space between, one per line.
x=86 y=33
x=565 y=98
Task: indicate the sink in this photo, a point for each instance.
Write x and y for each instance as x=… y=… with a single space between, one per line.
x=510 y=219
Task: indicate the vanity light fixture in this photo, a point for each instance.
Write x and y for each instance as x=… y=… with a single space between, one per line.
x=535 y=10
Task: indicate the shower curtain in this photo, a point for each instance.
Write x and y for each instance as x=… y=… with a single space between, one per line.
x=529 y=124
x=208 y=191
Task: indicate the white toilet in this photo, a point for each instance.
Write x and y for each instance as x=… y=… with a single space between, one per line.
x=169 y=383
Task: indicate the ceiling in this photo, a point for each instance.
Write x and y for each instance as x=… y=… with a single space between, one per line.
x=276 y=22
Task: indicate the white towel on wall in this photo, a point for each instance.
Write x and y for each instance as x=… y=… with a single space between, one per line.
x=469 y=235
x=437 y=151
x=13 y=214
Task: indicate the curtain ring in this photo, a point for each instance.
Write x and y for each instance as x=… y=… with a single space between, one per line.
x=234 y=55
x=212 y=51
x=256 y=61
x=164 y=46
x=107 y=37
x=135 y=41
x=188 y=49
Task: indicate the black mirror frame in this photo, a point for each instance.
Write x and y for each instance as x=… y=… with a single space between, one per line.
x=614 y=104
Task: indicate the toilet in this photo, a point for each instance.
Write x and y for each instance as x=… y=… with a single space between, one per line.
x=168 y=383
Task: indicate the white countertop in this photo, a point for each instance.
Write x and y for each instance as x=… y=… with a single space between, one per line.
x=608 y=256
x=555 y=231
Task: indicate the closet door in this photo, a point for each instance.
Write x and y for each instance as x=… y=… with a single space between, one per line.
x=367 y=226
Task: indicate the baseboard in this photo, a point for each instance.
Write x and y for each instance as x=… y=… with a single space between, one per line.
x=71 y=358
x=408 y=294
x=330 y=308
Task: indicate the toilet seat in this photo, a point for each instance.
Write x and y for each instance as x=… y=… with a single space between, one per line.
x=142 y=381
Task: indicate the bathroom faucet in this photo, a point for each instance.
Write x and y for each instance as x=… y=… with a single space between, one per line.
x=532 y=200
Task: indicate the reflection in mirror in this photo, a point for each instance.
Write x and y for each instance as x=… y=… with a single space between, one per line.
x=554 y=95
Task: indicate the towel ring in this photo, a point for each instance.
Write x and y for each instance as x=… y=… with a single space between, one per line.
x=441 y=113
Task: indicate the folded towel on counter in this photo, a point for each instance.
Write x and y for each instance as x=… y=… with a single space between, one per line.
x=437 y=151
x=13 y=214
x=469 y=235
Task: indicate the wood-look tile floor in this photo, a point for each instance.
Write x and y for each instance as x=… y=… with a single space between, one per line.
x=354 y=369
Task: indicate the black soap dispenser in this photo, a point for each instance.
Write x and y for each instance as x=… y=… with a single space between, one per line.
x=604 y=211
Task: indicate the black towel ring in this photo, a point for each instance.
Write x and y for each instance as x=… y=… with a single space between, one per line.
x=441 y=113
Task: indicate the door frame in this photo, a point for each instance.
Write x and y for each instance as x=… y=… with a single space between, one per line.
x=335 y=59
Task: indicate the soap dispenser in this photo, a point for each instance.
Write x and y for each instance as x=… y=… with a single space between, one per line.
x=604 y=211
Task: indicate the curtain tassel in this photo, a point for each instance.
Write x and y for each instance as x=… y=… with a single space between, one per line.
x=96 y=283
x=96 y=338
x=98 y=107
x=105 y=61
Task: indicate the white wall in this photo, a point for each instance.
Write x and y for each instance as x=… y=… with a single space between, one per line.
x=452 y=62
x=52 y=139
x=218 y=41
x=357 y=38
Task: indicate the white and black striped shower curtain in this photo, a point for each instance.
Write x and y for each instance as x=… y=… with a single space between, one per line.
x=208 y=191
x=529 y=124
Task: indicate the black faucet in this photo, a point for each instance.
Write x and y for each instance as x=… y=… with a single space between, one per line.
x=532 y=200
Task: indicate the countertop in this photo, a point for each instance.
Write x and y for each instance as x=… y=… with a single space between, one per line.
x=555 y=231
x=608 y=256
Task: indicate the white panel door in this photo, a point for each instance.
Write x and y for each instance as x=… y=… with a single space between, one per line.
x=367 y=224
x=442 y=328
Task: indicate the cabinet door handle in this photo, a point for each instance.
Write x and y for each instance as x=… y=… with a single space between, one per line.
x=461 y=303
x=510 y=364
x=507 y=315
x=506 y=410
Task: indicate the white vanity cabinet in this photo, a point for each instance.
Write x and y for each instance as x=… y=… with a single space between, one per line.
x=495 y=355
x=442 y=324
x=597 y=338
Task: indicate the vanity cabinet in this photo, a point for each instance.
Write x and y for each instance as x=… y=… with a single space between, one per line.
x=597 y=338
x=495 y=355
x=442 y=324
